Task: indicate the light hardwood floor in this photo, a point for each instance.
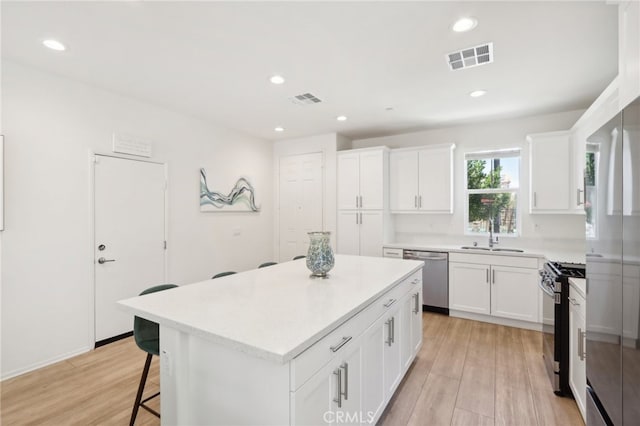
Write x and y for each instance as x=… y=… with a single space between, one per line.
x=467 y=373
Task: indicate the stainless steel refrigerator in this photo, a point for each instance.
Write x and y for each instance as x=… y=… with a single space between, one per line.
x=612 y=207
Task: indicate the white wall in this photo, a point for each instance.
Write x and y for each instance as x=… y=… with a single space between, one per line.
x=328 y=145
x=539 y=231
x=51 y=124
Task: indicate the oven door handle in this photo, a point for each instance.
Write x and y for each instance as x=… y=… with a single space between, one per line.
x=546 y=290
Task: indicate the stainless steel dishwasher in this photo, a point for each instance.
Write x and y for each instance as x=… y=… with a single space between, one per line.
x=435 y=279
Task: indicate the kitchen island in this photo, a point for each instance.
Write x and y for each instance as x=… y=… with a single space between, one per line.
x=274 y=346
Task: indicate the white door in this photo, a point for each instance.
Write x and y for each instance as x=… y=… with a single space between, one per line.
x=348 y=181
x=403 y=180
x=435 y=180
x=371 y=233
x=550 y=155
x=514 y=293
x=373 y=395
x=348 y=239
x=372 y=180
x=129 y=237
x=300 y=208
x=469 y=287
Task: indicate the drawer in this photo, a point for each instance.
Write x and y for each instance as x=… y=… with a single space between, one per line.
x=396 y=253
x=495 y=259
x=305 y=365
x=577 y=301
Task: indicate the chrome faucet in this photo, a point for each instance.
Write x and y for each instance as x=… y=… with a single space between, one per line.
x=491 y=240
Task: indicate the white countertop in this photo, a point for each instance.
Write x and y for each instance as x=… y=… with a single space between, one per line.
x=580 y=285
x=552 y=255
x=276 y=312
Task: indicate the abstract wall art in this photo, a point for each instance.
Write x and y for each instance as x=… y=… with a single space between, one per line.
x=240 y=197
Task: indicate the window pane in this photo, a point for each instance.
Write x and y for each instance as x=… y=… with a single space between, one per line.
x=493 y=173
x=498 y=209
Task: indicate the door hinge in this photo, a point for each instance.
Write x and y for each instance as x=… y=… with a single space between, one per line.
x=165 y=244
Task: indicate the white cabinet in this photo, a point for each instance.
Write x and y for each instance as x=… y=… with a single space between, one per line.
x=335 y=389
x=500 y=286
x=577 y=372
x=360 y=232
x=421 y=180
x=363 y=223
x=629 y=50
x=551 y=173
x=361 y=179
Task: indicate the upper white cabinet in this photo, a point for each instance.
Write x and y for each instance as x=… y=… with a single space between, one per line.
x=551 y=173
x=629 y=50
x=421 y=180
x=361 y=179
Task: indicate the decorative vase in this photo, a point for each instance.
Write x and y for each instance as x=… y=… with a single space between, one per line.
x=320 y=258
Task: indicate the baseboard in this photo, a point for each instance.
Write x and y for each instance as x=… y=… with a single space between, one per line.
x=496 y=320
x=41 y=364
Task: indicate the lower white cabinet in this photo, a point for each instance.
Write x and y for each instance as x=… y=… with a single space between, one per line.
x=360 y=232
x=577 y=341
x=356 y=384
x=500 y=286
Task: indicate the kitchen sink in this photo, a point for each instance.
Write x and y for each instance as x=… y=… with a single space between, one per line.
x=508 y=250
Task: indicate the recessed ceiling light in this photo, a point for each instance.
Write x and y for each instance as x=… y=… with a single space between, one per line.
x=341 y=118
x=279 y=129
x=477 y=93
x=464 y=24
x=277 y=79
x=54 y=45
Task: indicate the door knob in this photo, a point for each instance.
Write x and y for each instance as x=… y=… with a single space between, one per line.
x=103 y=260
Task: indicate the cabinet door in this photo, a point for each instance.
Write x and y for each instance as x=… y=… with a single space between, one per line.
x=392 y=367
x=372 y=180
x=469 y=287
x=371 y=233
x=404 y=327
x=550 y=172
x=350 y=387
x=313 y=399
x=373 y=391
x=577 y=367
x=435 y=180
x=348 y=238
x=514 y=293
x=348 y=181
x=403 y=180
x=416 y=320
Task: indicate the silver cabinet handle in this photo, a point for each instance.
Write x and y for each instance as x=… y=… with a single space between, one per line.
x=345 y=367
x=573 y=301
x=415 y=281
x=343 y=342
x=581 y=349
x=487 y=270
x=361 y=201
x=103 y=260
x=578 y=198
x=393 y=329
x=360 y=218
x=420 y=201
x=388 y=324
x=493 y=276
x=415 y=201
x=417 y=305
x=338 y=398
x=535 y=200
x=389 y=303
x=356 y=201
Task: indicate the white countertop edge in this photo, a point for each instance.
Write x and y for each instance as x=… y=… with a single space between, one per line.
x=580 y=285
x=281 y=358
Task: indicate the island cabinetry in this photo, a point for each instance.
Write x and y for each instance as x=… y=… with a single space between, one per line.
x=494 y=286
x=421 y=180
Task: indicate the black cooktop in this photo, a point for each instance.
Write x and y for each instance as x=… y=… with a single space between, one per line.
x=570 y=270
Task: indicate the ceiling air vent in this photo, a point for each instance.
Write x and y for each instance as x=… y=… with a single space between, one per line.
x=305 y=99
x=471 y=57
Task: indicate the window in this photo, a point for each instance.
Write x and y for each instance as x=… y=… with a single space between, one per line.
x=493 y=185
x=590 y=190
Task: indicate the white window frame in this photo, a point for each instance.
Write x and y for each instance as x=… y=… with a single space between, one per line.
x=488 y=155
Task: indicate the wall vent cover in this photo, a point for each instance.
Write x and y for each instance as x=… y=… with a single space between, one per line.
x=305 y=99
x=470 y=57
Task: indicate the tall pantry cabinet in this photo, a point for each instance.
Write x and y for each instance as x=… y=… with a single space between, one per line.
x=363 y=199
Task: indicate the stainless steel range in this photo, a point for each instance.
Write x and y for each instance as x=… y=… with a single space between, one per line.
x=554 y=282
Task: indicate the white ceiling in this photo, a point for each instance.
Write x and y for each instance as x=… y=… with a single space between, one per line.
x=213 y=59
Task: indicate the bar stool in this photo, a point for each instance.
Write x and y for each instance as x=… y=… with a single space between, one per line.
x=265 y=264
x=223 y=274
x=147 y=336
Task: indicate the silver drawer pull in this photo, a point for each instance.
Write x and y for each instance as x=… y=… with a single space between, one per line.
x=345 y=367
x=389 y=340
x=415 y=281
x=417 y=306
x=573 y=301
x=393 y=330
x=338 y=398
x=389 y=303
x=337 y=347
